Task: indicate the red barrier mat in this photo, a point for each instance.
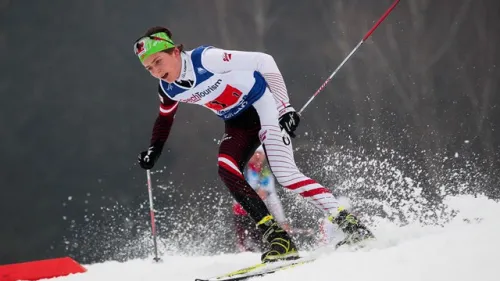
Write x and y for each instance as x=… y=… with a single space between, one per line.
x=35 y=270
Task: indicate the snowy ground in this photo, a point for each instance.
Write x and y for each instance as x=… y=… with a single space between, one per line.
x=467 y=248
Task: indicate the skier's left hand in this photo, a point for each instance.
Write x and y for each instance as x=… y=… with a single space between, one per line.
x=148 y=158
x=290 y=121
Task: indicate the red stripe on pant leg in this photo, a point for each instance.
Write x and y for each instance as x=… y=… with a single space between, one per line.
x=228 y=158
x=301 y=184
x=230 y=169
x=315 y=191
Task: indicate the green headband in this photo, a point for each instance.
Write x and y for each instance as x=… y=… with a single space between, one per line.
x=148 y=45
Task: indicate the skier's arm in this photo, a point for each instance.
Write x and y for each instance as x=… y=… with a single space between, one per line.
x=165 y=119
x=161 y=130
x=221 y=61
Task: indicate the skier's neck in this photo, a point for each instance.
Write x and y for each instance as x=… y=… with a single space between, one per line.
x=186 y=69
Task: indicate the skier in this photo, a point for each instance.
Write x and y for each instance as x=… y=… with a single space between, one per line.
x=246 y=90
x=260 y=178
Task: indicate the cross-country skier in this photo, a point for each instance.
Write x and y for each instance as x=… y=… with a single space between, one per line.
x=246 y=90
x=259 y=177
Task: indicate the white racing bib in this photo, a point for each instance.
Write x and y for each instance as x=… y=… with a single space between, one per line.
x=226 y=94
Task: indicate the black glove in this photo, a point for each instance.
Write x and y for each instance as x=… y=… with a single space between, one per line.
x=148 y=158
x=290 y=121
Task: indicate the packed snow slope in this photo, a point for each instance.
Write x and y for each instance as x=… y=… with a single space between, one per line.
x=463 y=249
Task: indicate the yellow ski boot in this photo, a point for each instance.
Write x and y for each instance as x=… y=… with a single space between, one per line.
x=281 y=246
x=353 y=229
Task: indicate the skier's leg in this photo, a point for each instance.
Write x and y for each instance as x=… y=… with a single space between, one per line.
x=239 y=142
x=234 y=149
x=279 y=152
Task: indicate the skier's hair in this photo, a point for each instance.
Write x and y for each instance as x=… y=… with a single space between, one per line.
x=156 y=29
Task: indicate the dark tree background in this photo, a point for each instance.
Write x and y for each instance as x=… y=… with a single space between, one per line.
x=77 y=107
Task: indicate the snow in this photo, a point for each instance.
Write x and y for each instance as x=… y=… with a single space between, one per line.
x=465 y=248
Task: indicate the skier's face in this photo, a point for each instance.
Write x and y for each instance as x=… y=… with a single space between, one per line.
x=164 y=66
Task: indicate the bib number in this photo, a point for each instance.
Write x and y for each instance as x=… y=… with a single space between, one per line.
x=227 y=98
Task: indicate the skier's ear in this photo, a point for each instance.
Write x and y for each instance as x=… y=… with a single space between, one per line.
x=177 y=52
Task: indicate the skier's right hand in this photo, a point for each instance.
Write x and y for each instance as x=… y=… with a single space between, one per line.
x=148 y=158
x=289 y=121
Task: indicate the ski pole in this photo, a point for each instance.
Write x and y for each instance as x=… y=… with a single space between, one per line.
x=380 y=20
x=152 y=214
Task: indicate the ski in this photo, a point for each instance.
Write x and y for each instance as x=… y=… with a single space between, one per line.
x=257 y=270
